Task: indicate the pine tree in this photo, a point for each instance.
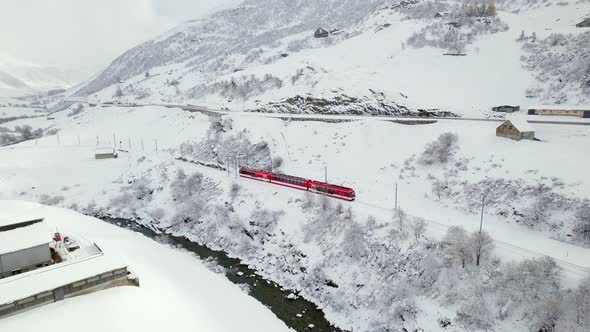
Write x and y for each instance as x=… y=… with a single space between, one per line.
x=522 y=36
x=534 y=37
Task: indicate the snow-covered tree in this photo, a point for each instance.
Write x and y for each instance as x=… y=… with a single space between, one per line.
x=419 y=227
x=491 y=10
x=582 y=303
x=399 y=216
x=581 y=228
x=439 y=151
x=475 y=314
x=534 y=284
x=586 y=78
x=354 y=244
x=483 y=245
x=457 y=247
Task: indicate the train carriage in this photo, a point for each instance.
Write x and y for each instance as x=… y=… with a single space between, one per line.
x=299 y=183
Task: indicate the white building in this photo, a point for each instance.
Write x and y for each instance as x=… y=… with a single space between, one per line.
x=24 y=246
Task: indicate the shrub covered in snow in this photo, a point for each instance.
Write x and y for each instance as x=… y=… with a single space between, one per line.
x=439 y=151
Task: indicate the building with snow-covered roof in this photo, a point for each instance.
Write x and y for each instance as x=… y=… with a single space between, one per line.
x=24 y=246
x=516 y=129
x=582 y=111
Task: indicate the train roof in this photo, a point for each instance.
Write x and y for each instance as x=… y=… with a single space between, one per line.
x=331 y=185
x=299 y=178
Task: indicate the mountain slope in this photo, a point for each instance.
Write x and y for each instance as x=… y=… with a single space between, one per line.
x=19 y=78
x=259 y=55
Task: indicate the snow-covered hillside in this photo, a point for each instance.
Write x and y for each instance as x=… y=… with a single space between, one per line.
x=19 y=78
x=349 y=258
x=263 y=56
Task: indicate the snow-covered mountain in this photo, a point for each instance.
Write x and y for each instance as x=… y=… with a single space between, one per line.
x=19 y=78
x=262 y=56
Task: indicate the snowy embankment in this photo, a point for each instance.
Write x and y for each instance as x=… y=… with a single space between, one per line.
x=177 y=291
x=343 y=257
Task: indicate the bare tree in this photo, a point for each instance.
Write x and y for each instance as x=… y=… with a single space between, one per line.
x=482 y=244
x=582 y=302
x=457 y=247
x=419 y=227
x=399 y=216
x=581 y=227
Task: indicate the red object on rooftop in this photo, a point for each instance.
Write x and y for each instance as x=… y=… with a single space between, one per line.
x=57 y=237
x=321 y=188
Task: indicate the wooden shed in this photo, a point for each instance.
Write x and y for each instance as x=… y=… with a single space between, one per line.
x=506 y=109
x=105 y=153
x=516 y=129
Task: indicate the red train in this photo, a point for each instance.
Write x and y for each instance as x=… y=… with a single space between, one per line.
x=299 y=183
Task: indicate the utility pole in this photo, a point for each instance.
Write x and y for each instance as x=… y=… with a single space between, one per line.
x=326 y=173
x=97 y=141
x=396 y=195
x=114 y=141
x=142 y=149
x=78 y=139
x=271 y=163
x=57 y=138
x=156 y=145
x=129 y=140
x=478 y=253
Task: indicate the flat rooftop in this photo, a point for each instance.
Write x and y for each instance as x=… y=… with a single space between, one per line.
x=48 y=278
x=24 y=237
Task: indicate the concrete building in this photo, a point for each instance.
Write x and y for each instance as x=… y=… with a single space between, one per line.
x=584 y=24
x=516 y=130
x=577 y=111
x=506 y=109
x=24 y=246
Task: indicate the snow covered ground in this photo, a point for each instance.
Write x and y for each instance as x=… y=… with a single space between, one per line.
x=369 y=156
x=177 y=291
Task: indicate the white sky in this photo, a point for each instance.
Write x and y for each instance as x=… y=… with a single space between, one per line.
x=89 y=34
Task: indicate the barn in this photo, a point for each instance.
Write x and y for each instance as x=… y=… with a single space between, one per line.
x=516 y=129
x=24 y=246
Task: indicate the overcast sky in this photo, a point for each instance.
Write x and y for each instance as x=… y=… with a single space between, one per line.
x=89 y=34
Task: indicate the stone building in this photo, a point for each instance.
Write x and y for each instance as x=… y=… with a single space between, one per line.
x=516 y=130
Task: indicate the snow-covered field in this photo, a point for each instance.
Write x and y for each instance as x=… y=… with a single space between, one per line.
x=177 y=291
x=369 y=156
